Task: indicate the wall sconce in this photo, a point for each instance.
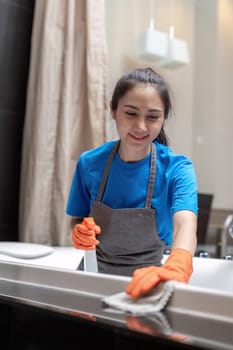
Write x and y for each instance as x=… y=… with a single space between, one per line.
x=152 y=44
x=162 y=48
x=177 y=52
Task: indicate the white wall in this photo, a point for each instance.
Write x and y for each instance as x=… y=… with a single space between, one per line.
x=224 y=107
x=204 y=99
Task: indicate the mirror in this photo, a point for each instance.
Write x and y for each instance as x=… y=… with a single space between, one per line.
x=202 y=123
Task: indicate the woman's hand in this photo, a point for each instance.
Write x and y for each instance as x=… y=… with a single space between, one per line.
x=84 y=234
x=178 y=267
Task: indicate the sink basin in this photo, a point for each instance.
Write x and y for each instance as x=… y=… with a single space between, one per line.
x=214 y=274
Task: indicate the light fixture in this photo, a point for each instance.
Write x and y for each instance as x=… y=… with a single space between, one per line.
x=177 y=52
x=152 y=44
x=161 y=48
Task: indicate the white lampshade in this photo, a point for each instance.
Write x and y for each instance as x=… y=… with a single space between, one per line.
x=177 y=54
x=152 y=45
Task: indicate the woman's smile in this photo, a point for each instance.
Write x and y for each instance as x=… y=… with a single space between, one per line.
x=139 y=138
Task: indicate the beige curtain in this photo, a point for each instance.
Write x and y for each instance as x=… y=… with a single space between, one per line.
x=65 y=114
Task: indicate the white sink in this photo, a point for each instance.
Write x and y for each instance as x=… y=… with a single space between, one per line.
x=214 y=274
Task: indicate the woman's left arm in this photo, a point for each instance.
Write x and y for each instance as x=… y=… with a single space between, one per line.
x=185 y=231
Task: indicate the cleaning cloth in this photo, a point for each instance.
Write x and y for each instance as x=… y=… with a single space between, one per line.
x=153 y=302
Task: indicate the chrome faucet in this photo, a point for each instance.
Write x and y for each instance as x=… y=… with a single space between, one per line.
x=226 y=231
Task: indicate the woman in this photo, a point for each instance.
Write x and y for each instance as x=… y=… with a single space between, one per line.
x=141 y=196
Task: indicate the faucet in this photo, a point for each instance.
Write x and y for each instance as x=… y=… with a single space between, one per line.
x=226 y=231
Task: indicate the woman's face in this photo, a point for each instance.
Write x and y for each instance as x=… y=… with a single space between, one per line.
x=139 y=118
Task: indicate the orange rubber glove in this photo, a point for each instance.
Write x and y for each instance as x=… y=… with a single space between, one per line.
x=84 y=234
x=178 y=267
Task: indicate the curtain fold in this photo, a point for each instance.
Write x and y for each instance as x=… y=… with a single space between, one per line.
x=65 y=111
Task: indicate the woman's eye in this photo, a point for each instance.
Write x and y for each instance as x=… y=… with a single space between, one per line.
x=131 y=113
x=153 y=117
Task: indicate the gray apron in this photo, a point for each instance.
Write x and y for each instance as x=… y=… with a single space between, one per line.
x=129 y=237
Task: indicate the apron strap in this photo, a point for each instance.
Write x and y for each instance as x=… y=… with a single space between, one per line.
x=150 y=189
x=106 y=170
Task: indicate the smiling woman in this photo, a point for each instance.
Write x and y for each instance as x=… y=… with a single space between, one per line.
x=140 y=194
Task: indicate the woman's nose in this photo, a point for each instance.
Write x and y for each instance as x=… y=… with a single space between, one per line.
x=141 y=123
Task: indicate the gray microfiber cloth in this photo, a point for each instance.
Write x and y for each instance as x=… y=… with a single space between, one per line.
x=153 y=302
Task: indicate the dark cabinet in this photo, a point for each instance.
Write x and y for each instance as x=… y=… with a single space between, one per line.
x=16 y=19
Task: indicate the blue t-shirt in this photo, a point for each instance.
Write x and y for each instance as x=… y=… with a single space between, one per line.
x=175 y=185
